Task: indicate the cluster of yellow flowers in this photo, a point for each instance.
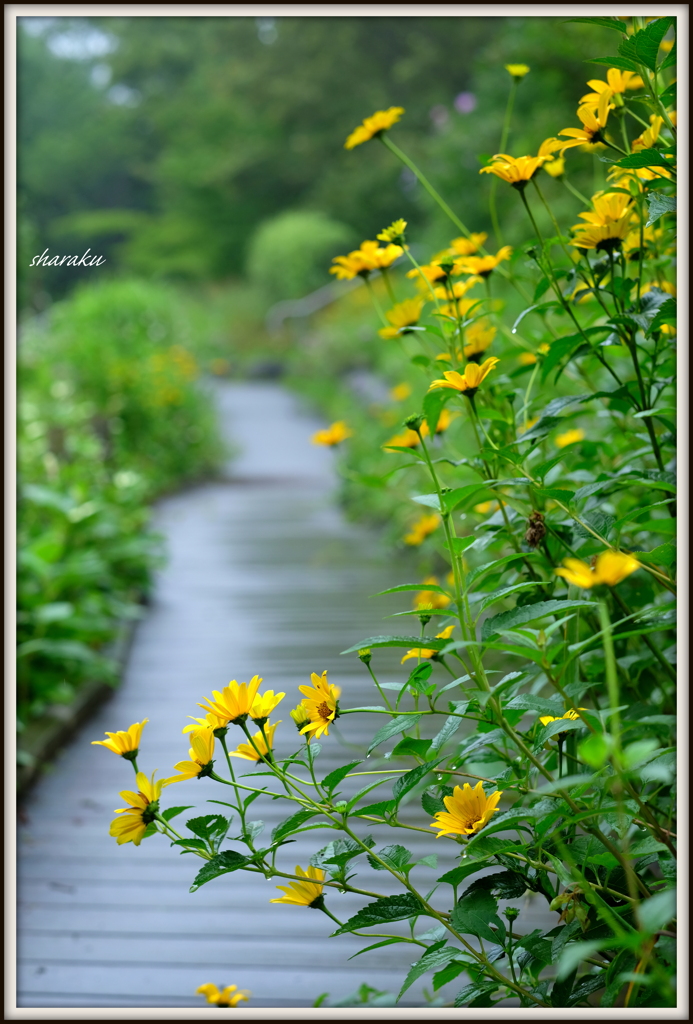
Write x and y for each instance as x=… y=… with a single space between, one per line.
x=363 y=261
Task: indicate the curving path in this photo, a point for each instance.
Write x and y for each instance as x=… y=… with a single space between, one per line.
x=264 y=576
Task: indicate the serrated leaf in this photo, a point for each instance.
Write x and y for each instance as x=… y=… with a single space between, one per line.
x=666 y=314
x=646 y=42
x=645 y=158
x=529 y=613
x=386 y=910
x=470 y=993
x=291 y=824
x=449 y=729
x=474 y=914
x=336 y=776
x=658 y=204
x=435 y=956
x=393 y=728
x=221 y=864
x=429 y=642
x=544 y=705
x=613 y=23
x=208 y=825
x=614 y=62
x=405 y=783
x=398 y=857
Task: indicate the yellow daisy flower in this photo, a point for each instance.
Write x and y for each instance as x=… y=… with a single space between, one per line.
x=408 y=438
x=467 y=246
x=610 y=568
x=334 y=434
x=484 y=265
x=468 y=381
x=304 y=894
x=478 y=336
x=321 y=704
x=617 y=82
x=210 y=721
x=230 y=996
x=373 y=126
x=400 y=392
x=555 y=168
x=468 y=810
x=123 y=743
x=142 y=810
x=367 y=258
x=235 y=701
x=395 y=232
x=264 y=705
x=421 y=529
x=518 y=71
x=593 y=124
x=402 y=316
x=260 y=749
x=572 y=715
x=201 y=752
x=570 y=437
x=428 y=652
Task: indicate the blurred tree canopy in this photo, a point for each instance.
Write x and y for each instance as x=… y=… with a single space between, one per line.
x=162 y=142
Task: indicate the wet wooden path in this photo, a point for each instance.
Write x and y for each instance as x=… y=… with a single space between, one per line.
x=264 y=576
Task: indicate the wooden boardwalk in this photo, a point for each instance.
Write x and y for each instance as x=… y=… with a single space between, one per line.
x=264 y=576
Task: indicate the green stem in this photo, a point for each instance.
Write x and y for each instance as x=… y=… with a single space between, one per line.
x=377 y=305
x=388 y=285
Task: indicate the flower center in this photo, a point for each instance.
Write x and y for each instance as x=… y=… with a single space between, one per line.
x=324 y=710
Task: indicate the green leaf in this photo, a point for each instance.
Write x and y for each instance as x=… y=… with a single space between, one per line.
x=336 y=776
x=435 y=956
x=427 y=642
x=473 y=915
x=647 y=41
x=668 y=62
x=291 y=824
x=429 y=500
x=398 y=857
x=619 y=26
x=545 y=706
x=375 y=945
x=419 y=676
x=432 y=407
x=449 y=729
x=400 y=907
x=475 y=574
x=378 y=810
x=658 y=204
x=533 y=309
x=414 y=586
x=208 y=825
x=470 y=993
x=410 y=745
x=224 y=862
x=393 y=728
x=656 y=913
x=529 y=613
x=666 y=314
x=645 y=158
x=405 y=783
x=172 y=812
x=614 y=62
x=665 y=554
x=498 y=595
x=192 y=844
x=540 y=429
x=570 y=346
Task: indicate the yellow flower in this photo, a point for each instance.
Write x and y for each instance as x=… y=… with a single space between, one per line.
x=593 y=124
x=617 y=83
x=484 y=507
x=264 y=705
x=468 y=810
x=321 y=703
x=570 y=437
x=517 y=171
x=468 y=381
x=235 y=701
x=230 y=996
x=395 y=233
x=421 y=529
x=210 y=721
x=144 y=805
x=300 y=716
x=478 y=336
x=526 y=359
x=427 y=652
x=608 y=208
x=362 y=261
x=402 y=316
x=334 y=434
x=201 y=751
x=484 y=265
x=555 y=168
x=373 y=126
x=467 y=246
x=409 y=438
x=611 y=567
x=572 y=715
x=304 y=894
x=529 y=424
x=603 y=237
x=259 y=746
x=518 y=71
x=123 y=743
x=400 y=392
x=430 y=598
